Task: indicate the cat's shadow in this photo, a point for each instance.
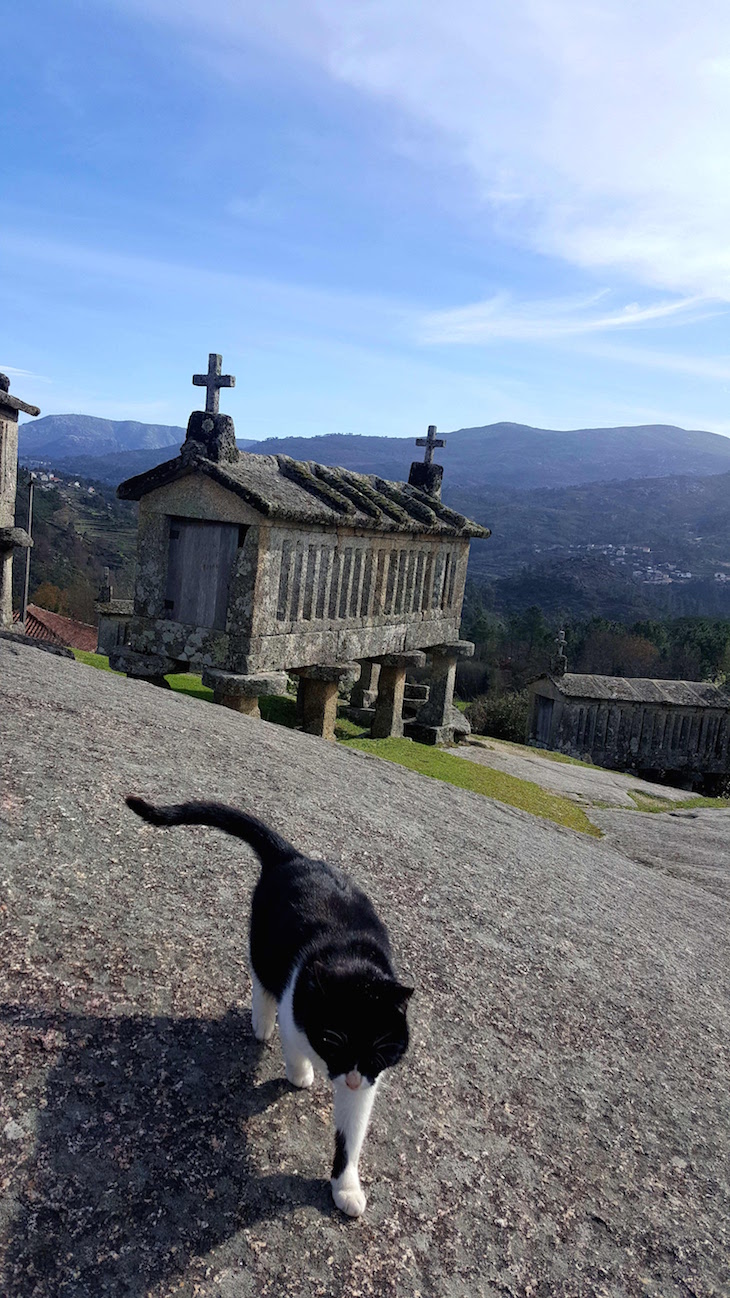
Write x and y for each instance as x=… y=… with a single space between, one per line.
x=141 y=1159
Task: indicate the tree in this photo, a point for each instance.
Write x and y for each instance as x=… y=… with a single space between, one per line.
x=51 y=597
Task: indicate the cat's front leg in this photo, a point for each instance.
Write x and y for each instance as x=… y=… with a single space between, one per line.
x=263 y=1010
x=352 y=1114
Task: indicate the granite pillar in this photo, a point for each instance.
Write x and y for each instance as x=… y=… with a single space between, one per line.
x=241 y=693
x=438 y=721
x=388 y=719
x=11 y=537
x=317 y=697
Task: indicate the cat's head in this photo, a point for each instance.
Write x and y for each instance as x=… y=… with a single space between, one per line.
x=354 y=1018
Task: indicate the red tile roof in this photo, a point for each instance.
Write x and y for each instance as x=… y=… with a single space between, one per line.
x=41 y=624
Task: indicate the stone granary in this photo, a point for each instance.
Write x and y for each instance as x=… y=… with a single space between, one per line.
x=653 y=727
x=252 y=567
x=11 y=537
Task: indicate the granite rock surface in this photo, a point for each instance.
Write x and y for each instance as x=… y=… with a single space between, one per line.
x=561 y=1124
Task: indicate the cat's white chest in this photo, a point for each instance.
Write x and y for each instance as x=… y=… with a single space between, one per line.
x=296 y=1044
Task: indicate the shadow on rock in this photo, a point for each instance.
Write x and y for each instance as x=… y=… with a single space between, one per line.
x=140 y=1161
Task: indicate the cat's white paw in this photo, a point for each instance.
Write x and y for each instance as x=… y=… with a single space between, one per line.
x=263 y=1031
x=302 y=1075
x=350 y=1201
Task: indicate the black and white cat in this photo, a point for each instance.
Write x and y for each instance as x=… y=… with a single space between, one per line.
x=320 y=955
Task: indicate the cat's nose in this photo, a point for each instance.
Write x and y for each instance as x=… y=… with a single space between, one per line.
x=353 y=1079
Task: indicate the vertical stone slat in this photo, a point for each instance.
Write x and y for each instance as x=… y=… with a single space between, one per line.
x=380 y=583
x=309 y=582
x=297 y=592
x=325 y=578
x=367 y=586
x=418 y=584
x=427 y=597
x=400 y=588
x=335 y=583
x=391 y=580
x=356 y=587
x=284 y=578
x=345 y=580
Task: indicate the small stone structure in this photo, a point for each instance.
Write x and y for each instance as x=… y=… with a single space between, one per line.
x=11 y=537
x=650 y=726
x=252 y=567
x=114 y=617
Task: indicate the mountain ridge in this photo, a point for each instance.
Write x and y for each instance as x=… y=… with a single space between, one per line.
x=501 y=455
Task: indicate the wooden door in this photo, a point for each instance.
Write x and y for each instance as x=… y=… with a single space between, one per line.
x=199 y=567
x=543 y=719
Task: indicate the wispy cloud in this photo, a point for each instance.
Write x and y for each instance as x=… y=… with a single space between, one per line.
x=14 y=373
x=598 y=132
x=500 y=317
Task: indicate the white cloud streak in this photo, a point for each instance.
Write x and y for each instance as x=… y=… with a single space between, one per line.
x=500 y=318
x=597 y=131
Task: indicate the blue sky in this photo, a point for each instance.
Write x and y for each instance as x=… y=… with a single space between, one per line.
x=383 y=213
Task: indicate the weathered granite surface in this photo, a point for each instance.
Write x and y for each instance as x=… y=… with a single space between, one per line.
x=561 y=1127
x=586 y=784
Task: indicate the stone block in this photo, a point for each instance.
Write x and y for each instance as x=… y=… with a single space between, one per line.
x=441 y=736
x=406 y=659
x=238 y=685
x=152 y=668
x=416 y=692
x=457 y=649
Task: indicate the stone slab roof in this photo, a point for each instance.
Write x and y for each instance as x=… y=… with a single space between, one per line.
x=688 y=694
x=296 y=491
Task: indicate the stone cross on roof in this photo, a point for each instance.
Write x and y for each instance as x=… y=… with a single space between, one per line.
x=559 y=664
x=430 y=443
x=212 y=381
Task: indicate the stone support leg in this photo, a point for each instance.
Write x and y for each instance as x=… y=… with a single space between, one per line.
x=365 y=689
x=388 y=719
x=437 y=720
x=6 y=589
x=11 y=538
x=241 y=693
x=319 y=707
x=317 y=697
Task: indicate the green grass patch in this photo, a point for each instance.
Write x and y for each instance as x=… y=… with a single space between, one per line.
x=99 y=661
x=655 y=802
x=188 y=683
x=280 y=709
x=441 y=765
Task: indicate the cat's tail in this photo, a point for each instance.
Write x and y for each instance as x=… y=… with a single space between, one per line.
x=269 y=846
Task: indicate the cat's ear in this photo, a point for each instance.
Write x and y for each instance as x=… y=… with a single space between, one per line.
x=402 y=995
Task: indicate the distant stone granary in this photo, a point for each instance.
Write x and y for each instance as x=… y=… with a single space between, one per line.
x=11 y=537
x=650 y=726
x=253 y=566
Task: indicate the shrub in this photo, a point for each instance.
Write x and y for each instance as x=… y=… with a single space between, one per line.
x=503 y=716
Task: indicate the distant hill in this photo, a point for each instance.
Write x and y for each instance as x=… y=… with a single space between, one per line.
x=500 y=456
x=516 y=455
x=57 y=436
x=113 y=469
x=683 y=520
